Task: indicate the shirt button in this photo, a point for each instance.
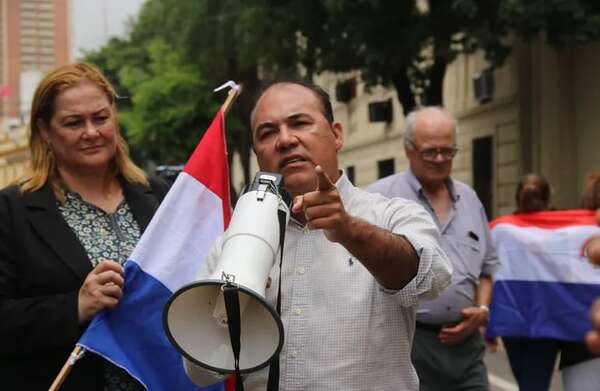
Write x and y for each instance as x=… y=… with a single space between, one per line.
x=297 y=311
x=300 y=270
x=294 y=353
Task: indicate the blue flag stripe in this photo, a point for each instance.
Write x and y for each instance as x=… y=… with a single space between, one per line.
x=151 y=353
x=541 y=309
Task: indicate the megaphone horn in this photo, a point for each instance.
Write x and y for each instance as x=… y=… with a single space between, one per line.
x=195 y=317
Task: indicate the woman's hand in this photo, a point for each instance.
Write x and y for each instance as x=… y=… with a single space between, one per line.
x=592 y=250
x=102 y=288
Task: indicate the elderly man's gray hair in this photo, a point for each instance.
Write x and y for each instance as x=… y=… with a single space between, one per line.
x=409 y=127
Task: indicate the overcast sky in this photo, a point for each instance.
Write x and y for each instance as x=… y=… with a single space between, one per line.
x=93 y=22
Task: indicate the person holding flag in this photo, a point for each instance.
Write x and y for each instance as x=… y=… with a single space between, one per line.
x=354 y=263
x=544 y=289
x=592 y=251
x=532 y=360
x=65 y=230
x=579 y=363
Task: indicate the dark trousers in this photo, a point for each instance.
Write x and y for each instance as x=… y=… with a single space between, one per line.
x=532 y=361
x=449 y=368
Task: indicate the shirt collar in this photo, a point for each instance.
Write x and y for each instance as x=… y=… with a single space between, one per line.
x=344 y=187
x=416 y=186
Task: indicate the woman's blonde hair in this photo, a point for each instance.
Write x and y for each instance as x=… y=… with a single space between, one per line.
x=42 y=165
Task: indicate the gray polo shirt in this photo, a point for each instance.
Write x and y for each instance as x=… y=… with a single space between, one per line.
x=465 y=239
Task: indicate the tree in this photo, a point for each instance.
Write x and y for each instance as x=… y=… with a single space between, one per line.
x=167 y=106
x=209 y=36
x=406 y=44
x=409 y=44
x=564 y=22
x=390 y=42
x=161 y=120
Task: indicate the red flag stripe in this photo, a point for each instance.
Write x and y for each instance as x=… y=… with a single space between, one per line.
x=549 y=219
x=208 y=163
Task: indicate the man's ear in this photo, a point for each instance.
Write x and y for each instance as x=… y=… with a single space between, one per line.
x=338 y=134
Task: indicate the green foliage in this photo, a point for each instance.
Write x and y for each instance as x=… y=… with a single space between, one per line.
x=391 y=42
x=115 y=55
x=168 y=105
x=179 y=50
x=565 y=22
x=408 y=46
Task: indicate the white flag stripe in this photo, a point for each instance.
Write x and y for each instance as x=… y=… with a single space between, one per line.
x=182 y=217
x=550 y=255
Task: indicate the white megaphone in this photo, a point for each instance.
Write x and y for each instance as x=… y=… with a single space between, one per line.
x=195 y=317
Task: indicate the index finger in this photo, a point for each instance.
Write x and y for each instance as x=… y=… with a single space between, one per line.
x=324 y=182
x=107 y=265
x=110 y=277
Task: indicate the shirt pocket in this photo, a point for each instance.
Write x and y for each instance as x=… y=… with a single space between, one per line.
x=471 y=254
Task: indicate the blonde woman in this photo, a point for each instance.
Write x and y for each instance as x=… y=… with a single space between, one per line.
x=65 y=230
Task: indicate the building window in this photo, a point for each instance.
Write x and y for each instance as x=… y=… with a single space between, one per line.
x=350 y=174
x=385 y=168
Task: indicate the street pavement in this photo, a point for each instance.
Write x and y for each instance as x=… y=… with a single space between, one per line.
x=501 y=378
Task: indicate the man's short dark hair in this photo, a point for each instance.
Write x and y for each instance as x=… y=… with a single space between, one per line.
x=320 y=93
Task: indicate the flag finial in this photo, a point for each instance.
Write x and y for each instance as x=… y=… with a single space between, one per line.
x=231 y=84
x=234 y=90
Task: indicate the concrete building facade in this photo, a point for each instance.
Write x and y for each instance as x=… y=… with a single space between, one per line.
x=34 y=38
x=14 y=154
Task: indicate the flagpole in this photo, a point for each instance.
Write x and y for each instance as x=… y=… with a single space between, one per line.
x=234 y=91
x=62 y=375
x=78 y=351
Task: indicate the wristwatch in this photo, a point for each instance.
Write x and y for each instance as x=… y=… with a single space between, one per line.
x=486 y=309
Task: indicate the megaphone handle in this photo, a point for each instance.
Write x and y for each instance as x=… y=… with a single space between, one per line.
x=282 y=217
x=273 y=380
x=232 y=306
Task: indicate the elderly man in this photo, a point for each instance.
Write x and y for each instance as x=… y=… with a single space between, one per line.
x=354 y=263
x=448 y=348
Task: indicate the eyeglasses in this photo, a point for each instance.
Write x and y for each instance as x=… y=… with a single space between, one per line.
x=430 y=154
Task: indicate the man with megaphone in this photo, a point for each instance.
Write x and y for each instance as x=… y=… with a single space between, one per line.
x=354 y=263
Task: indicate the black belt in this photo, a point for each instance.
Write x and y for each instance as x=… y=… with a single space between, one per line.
x=435 y=328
